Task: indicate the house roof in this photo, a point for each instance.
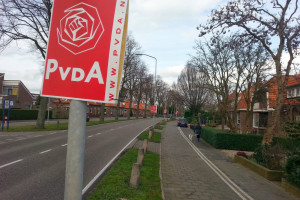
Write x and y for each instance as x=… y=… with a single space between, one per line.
x=293 y=81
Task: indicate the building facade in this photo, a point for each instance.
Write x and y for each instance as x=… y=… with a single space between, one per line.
x=16 y=91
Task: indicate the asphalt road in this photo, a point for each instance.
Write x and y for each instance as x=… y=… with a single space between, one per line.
x=32 y=165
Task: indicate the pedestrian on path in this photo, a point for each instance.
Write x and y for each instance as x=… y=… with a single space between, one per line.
x=198 y=130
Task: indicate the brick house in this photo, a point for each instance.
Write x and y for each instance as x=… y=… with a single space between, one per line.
x=16 y=91
x=60 y=108
x=262 y=111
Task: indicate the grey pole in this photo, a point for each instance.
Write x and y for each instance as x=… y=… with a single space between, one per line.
x=75 y=151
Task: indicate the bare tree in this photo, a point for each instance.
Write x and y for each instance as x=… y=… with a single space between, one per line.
x=129 y=69
x=254 y=60
x=27 y=20
x=193 y=87
x=217 y=64
x=139 y=85
x=276 y=25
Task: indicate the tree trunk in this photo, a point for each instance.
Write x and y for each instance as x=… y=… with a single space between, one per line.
x=223 y=122
x=137 y=110
x=117 y=110
x=274 y=128
x=40 y=122
x=102 y=112
x=130 y=107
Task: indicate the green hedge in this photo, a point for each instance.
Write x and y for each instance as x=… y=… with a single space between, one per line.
x=243 y=142
x=232 y=141
x=23 y=114
x=292 y=170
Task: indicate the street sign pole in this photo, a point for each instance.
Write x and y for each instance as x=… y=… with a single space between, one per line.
x=8 y=115
x=3 y=114
x=75 y=150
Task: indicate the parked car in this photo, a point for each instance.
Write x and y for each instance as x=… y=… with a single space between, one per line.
x=182 y=123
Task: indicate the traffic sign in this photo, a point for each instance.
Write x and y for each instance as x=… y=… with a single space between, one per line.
x=84 y=48
x=11 y=103
x=154 y=109
x=6 y=102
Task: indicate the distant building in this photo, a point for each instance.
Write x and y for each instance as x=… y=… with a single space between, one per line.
x=16 y=91
x=60 y=109
x=262 y=111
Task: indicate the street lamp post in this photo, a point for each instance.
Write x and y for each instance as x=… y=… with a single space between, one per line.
x=142 y=54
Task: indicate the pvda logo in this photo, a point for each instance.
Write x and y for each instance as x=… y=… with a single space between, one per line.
x=80 y=29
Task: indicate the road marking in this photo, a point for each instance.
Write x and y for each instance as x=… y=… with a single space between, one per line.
x=2 y=166
x=241 y=193
x=52 y=133
x=64 y=145
x=98 y=133
x=45 y=151
x=109 y=163
x=90 y=136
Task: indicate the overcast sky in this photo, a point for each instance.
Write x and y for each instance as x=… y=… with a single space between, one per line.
x=164 y=29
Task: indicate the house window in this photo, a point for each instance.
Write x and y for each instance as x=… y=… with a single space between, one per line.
x=298 y=92
x=255 y=119
x=260 y=119
x=291 y=93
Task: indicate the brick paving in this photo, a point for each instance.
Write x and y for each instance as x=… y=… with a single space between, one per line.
x=186 y=176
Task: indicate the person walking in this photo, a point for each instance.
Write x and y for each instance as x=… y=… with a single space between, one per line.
x=198 y=130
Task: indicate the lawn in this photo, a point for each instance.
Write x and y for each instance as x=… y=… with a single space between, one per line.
x=51 y=127
x=115 y=183
x=156 y=137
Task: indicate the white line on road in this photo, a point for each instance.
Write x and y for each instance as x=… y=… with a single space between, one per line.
x=38 y=136
x=98 y=133
x=64 y=145
x=90 y=136
x=2 y=166
x=45 y=151
x=241 y=193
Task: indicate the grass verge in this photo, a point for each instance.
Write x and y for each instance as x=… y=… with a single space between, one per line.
x=159 y=127
x=115 y=183
x=51 y=127
x=156 y=137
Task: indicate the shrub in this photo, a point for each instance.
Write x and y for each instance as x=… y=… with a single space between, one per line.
x=272 y=157
x=292 y=129
x=22 y=114
x=232 y=141
x=292 y=169
x=211 y=124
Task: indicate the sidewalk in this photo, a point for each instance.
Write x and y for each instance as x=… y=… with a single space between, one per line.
x=193 y=174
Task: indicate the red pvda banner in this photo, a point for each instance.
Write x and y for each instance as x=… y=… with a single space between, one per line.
x=83 y=54
x=154 y=109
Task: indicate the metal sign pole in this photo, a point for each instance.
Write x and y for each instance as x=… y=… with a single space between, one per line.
x=3 y=113
x=8 y=115
x=75 y=151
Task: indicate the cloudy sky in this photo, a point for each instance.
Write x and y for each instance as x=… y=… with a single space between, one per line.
x=165 y=29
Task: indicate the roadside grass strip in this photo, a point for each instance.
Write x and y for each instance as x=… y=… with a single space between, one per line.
x=115 y=184
x=159 y=127
x=156 y=137
x=51 y=127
